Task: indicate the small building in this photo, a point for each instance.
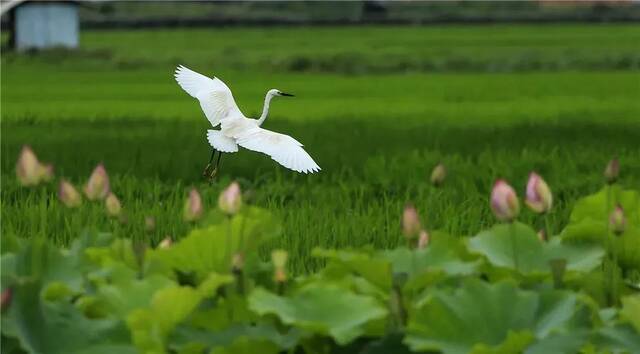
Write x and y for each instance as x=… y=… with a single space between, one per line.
x=42 y=24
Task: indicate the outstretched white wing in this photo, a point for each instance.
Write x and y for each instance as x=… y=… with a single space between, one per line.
x=215 y=97
x=284 y=149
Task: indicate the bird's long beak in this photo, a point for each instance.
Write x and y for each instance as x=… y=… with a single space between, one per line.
x=286 y=94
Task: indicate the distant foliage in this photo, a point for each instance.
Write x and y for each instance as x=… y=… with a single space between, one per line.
x=155 y=14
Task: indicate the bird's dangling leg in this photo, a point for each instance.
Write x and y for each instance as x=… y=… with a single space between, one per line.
x=205 y=173
x=214 y=171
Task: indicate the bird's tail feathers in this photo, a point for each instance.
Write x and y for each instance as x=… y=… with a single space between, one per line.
x=221 y=142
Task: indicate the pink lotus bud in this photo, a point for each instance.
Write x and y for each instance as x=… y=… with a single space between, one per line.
x=410 y=221
x=193 y=206
x=612 y=171
x=113 y=205
x=617 y=221
x=149 y=223
x=28 y=168
x=165 y=243
x=68 y=195
x=423 y=239
x=504 y=201
x=30 y=171
x=542 y=236
x=438 y=175
x=97 y=187
x=230 y=199
x=5 y=299
x=539 y=197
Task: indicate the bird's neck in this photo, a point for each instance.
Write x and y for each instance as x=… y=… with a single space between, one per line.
x=265 y=109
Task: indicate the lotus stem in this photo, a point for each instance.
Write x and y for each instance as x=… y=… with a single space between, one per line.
x=514 y=250
x=547 y=226
x=229 y=251
x=280 y=288
x=397 y=307
x=239 y=275
x=609 y=263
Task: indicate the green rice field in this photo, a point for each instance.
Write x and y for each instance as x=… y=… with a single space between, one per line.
x=377 y=108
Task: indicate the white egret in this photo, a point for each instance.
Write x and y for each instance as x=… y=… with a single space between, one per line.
x=236 y=129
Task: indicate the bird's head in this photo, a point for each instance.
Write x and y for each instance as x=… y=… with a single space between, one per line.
x=276 y=92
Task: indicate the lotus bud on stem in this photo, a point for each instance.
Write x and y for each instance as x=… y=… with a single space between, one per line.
x=279 y=260
x=617 y=225
x=113 y=206
x=27 y=167
x=539 y=199
x=612 y=171
x=538 y=195
x=29 y=171
x=230 y=200
x=68 y=195
x=423 y=239
x=438 y=175
x=617 y=220
x=193 y=206
x=410 y=223
x=165 y=243
x=505 y=206
x=504 y=201
x=97 y=187
x=611 y=174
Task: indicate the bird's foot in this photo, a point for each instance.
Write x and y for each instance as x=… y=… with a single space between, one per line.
x=213 y=174
x=206 y=171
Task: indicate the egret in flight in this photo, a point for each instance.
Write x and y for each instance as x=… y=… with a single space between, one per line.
x=236 y=129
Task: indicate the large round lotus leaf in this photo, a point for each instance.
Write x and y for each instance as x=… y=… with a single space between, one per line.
x=321 y=308
x=151 y=326
x=631 y=310
x=376 y=270
x=504 y=249
x=41 y=315
x=591 y=231
x=590 y=218
x=188 y=335
x=480 y=315
x=621 y=338
x=595 y=206
x=207 y=249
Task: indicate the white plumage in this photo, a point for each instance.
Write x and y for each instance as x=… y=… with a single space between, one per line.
x=221 y=142
x=236 y=129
